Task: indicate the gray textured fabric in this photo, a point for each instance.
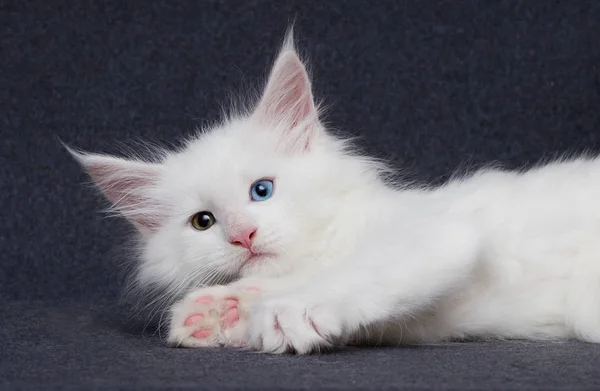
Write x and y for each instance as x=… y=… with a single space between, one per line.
x=432 y=85
x=82 y=345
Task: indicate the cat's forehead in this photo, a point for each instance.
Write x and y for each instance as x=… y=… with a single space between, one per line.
x=225 y=154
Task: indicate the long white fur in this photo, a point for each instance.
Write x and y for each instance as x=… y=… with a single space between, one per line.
x=492 y=255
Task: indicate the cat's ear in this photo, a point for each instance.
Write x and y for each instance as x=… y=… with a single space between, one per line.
x=287 y=102
x=129 y=185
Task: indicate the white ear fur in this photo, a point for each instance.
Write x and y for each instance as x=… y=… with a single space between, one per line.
x=287 y=102
x=127 y=184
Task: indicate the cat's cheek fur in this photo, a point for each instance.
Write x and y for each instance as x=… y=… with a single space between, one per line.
x=173 y=259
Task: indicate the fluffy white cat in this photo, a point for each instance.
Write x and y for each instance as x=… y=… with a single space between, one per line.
x=279 y=237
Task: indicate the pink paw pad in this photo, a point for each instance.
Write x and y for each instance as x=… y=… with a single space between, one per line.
x=230 y=317
x=204 y=299
x=230 y=303
x=193 y=319
x=202 y=333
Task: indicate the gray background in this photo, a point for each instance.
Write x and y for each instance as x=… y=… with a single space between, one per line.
x=433 y=85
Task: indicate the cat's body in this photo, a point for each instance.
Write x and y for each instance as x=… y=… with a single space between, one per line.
x=536 y=266
x=318 y=249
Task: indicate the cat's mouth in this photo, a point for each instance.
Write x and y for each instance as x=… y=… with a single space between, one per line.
x=255 y=257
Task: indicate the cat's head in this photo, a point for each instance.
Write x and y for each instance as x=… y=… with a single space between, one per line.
x=255 y=195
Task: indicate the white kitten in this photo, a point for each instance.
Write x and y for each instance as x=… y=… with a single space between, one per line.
x=318 y=250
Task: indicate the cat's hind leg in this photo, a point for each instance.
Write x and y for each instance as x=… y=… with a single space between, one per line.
x=583 y=304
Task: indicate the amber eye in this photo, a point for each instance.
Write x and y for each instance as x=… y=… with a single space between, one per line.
x=203 y=221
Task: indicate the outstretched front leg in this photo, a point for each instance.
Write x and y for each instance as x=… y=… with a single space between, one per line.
x=387 y=284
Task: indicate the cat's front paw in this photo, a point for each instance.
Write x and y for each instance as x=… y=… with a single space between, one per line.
x=213 y=316
x=292 y=324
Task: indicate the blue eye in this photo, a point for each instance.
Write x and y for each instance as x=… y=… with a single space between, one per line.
x=261 y=190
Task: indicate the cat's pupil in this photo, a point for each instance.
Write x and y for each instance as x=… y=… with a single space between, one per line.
x=261 y=190
x=204 y=220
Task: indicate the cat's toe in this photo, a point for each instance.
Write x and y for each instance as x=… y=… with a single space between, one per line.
x=202 y=334
x=192 y=320
x=231 y=314
x=197 y=330
x=193 y=336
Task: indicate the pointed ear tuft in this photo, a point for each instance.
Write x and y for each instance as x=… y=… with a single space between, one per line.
x=128 y=185
x=288 y=41
x=287 y=102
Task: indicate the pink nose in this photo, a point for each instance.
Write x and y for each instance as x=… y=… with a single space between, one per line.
x=244 y=238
